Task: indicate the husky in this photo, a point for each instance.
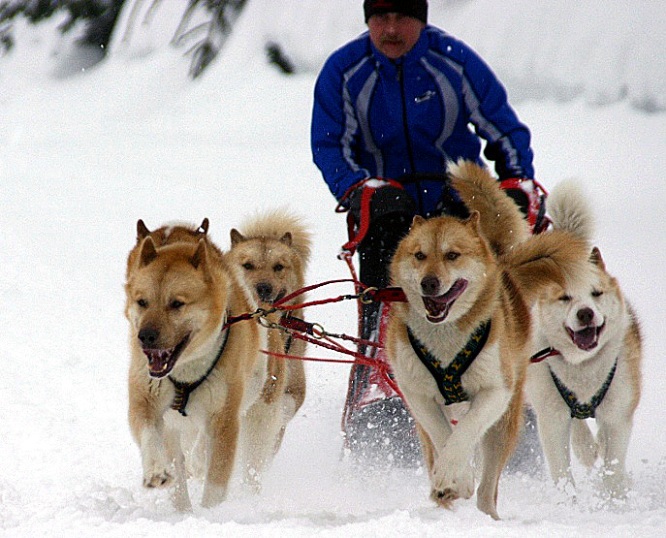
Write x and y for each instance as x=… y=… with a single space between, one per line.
x=270 y=256
x=464 y=333
x=592 y=340
x=193 y=375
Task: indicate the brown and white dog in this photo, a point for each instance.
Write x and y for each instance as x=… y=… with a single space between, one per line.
x=594 y=368
x=465 y=332
x=270 y=256
x=191 y=376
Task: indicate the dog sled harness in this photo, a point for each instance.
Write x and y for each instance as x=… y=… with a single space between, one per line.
x=183 y=390
x=449 y=379
x=583 y=410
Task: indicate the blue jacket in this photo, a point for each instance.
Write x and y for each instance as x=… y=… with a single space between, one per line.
x=373 y=117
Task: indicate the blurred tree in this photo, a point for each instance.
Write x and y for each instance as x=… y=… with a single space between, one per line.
x=99 y=17
x=203 y=39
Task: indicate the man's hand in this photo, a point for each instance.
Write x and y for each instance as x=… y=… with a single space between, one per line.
x=530 y=197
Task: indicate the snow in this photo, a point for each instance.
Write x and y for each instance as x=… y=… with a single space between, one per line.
x=83 y=157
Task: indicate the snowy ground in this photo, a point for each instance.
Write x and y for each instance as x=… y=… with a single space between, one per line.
x=82 y=158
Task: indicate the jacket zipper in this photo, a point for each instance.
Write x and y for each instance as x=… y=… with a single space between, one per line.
x=408 y=139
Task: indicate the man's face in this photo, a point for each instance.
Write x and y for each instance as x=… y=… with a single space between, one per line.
x=394 y=34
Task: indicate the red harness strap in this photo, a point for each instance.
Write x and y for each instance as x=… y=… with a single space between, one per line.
x=364 y=224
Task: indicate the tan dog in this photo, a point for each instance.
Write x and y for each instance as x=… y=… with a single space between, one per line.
x=464 y=333
x=270 y=256
x=595 y=371
x=190 y=375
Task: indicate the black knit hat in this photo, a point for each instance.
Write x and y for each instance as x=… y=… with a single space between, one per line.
x=412 y=8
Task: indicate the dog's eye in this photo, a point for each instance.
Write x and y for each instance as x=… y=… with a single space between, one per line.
x=176 y=304
x=597 y=293
x=420 y=256
x=451 y=255
x=248 y=266
x=142 y=303
x=278 y=267
x=565 y=298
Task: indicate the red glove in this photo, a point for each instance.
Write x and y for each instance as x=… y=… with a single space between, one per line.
x=530 y=197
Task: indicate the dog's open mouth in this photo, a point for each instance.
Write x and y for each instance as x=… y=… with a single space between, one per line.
x=586 y=339
x=437 y=308
x=162 y=361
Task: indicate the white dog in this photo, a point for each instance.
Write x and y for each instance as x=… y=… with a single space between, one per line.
x=593 y=368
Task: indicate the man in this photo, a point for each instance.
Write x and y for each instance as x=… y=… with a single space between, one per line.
x=391 y=108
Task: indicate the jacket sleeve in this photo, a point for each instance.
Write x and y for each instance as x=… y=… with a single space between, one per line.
x=334 y=130
x=508 y=140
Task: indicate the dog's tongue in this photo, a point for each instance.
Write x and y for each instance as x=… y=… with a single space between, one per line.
x=438 y=307
x=160 y=361
x=585 y=339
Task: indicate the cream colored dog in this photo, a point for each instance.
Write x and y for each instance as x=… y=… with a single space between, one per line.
x=464 y=333
x=191 y=375
x=270 y=256
x=594 y=370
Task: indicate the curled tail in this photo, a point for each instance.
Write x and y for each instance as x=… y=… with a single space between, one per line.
x=570 y=211
x=274 y=224
x=502 y=223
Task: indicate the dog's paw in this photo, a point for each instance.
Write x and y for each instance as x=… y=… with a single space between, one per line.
x=443 y=498
x=451 y=482
x=158 y=480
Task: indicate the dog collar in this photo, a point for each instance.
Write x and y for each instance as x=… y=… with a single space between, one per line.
x=583 y=410
x=449 y=379
x=544 y=354
x=183 y=390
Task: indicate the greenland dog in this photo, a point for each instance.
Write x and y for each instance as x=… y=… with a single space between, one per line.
x=464 y=333
x=594 y=371
x=270 y=256
x=191 y=375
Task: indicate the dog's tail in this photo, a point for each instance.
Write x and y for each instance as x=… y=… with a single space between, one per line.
x=584 y=444
x=275 y=224
x=570 y=211
x=502 y=223
x=553 y=258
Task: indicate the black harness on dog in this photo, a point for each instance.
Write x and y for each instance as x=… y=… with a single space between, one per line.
x=583 y=410
x=183 y=390
x=449 y=379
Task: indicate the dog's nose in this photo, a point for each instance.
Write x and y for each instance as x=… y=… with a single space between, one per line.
x=585 y=316
x=148 y=336
x=264 y=291
x=430 y=285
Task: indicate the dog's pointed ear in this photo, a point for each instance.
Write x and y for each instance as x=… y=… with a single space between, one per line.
x=199 y=258
x=236 y=237
x=203 y=229
x=286 y=239
x=142 y=230
x=417 y=221
x=596 y=259
x=148 y=252
x=474 y=219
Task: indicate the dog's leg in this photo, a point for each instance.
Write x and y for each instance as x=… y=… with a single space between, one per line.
x=453 y=469
x=157 y=472
x=434 y=429
x=223 y=445
x=555 y=431
x=262 y=426
x=497 y=445
x=179 y=495
x=296 y=379
x=147 y=428
x=294 y=394
x=614 y=439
